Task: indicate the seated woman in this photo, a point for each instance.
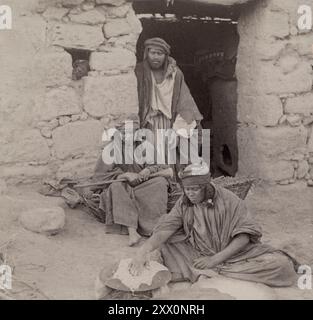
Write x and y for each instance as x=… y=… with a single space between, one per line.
x=140 y=200
x=209 y=229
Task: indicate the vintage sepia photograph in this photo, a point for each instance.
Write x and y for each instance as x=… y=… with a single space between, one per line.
x=156 y=150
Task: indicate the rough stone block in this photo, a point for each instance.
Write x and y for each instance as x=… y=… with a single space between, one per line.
x=56 y=66
x=60 y=102
x=71 y=3
x=121 y=59
x=114 y=94
x=53 y=13
x=24 y=146
x=116 y=27
x=77 y=168
x=76 y=36
x=302 y=104
x=280 y=142
x=265 y=110
x=273 y=24
x=271 y=79
x=116 y=12
x=77 y=138
x=134 y=22
x=48 y=221
x=91 y=17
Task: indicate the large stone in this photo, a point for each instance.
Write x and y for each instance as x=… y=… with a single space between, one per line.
x=23 y=146
x=78 y=168
x=134 y=22
x=76 y=36
x=77 y=138
x=53 y=13
x=302 y=104
x=71 y=3
x=280 y=142
x=111 y=2
x=273 y=24
x=114 y=94
x=116 y=27
x=271 y=79
x=48 y=221
x=55 y=64
x=60 y=102
x=265 y=110
x=91 y=17
x=120 y=59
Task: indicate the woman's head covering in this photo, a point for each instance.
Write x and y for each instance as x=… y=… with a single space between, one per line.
x=195 y=174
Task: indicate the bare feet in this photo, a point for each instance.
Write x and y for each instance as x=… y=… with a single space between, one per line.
x=134 y=237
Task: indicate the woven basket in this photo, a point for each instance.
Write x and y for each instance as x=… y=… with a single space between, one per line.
x=239 y=186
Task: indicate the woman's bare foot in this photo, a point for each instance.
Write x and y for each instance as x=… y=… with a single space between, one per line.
x=134 y=237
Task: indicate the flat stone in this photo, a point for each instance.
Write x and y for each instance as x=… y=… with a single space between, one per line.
x=48 y=221
x=302 y=104
x=105 y=95
x=71 y=3
x=116 y=27
x=55 y=65
x=134 y=22
x=76 y=36
x=24 y=146
x=53 y=13
x=121 y=59
x=60 y=102
x=266 y=110
x=77 y=138
x=302 y=169
x=91 y=17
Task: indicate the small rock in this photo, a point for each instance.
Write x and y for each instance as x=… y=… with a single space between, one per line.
x=297 y=157
x=53 y=124
x=46 y=132
x=75 y=117
x=49 y=142
x=282 y=119
x=88 y=6
x=3 y=187
x=294 y=120
x=307 y=176
x=296 y=165
x=291 y=181
x=84 y=116
x=48 y=221
x=310 y=183
x=293 y=31
x=283 y=182
x=64 y=120
x=310 y=160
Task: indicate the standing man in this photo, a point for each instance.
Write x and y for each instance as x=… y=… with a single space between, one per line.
x=164 y=99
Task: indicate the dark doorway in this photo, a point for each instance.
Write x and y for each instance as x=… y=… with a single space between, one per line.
x=205 y=48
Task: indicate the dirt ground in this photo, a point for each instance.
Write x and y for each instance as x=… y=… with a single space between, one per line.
x=66 y=265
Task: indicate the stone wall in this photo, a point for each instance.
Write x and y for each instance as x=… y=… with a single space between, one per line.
x=275 y=106
x=51 y=126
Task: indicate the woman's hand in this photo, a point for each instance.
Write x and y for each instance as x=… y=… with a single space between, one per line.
x=132 y=177
x=138 y=264
x=205 y=263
